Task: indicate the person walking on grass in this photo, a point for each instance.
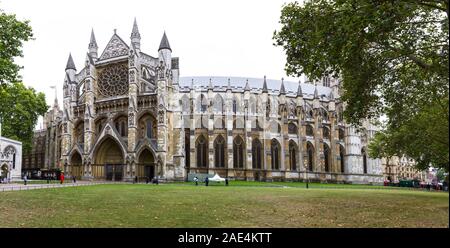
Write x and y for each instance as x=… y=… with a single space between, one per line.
x=206 y=181
x=61 y=177
x=74 y=179
x=196 y=181
x=25 y=179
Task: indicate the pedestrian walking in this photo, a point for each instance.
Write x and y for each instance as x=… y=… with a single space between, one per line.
x=74 y=179
x=206 y=181
x=61 y=177
x=25 y=179
x=226 y=181
x=196 y=181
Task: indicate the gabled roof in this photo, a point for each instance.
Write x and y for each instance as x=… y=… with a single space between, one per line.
x=116 y=48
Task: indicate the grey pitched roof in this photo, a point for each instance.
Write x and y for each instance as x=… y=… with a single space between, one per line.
x=70 y=63
x=164 y=43
x=238 y=83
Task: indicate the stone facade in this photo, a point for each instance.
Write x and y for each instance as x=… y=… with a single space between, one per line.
x=127 y=114
x=10 y=159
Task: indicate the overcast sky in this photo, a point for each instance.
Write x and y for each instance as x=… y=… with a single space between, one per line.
x=211 y=38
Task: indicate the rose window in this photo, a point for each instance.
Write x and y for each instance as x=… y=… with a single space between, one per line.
x=113 y=81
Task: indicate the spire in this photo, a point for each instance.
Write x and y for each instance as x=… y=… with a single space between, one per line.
x=164 y=43
x=92 y=42
x=135 y=32
x=264 y=89
x=229 y=84
x=70 y=63
x=282 y=89
x=247 y=86
x=299 y=90
x=210 y=86
x=316 y=93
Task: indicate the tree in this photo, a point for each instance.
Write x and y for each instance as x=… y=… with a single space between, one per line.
x=12 y=34
x=392 y=60
x=20 y=108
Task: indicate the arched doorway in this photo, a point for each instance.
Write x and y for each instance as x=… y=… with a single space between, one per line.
x=146 y=167
x=4 y=171
x=76 y=168
x=109 y=161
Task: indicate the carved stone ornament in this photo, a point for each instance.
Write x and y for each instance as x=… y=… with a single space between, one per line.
x=113 y=80
x=131 y=118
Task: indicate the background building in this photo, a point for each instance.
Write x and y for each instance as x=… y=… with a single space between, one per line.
x=10 y=159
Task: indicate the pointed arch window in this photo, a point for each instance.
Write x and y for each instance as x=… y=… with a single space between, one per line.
x=364 y=157
x=187 y=146
x=326 y=152
x=256 y=154
x=275 y=150
x=219 y=152
x=202 y=152
x=238 y=152
x=310 y=151
x=293 y=155
x=341 y=156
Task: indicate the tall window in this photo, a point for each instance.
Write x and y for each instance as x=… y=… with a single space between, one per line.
x=234 y=106
x=121 y=126
x=187 y=146
x=219 y=152
x=364 y=157
x=326 y=133
x=238 y=152
x=293 y=155
x=292 y=128
x=275 y=149
x=309 y=130
x=149 y=129
x=256 y=154
x=310 y=150
x=326 y=151
x=341 y=155
x=202 y=152
x=203 y=103
x=341 y=133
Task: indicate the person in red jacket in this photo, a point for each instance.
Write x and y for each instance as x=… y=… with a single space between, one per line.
x=61 y=177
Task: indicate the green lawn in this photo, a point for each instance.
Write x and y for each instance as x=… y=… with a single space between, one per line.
x=184 y=205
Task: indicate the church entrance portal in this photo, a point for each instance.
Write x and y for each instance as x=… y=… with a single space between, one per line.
x=109 y=162
x=146 y=166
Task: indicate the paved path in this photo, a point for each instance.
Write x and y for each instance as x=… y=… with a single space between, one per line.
x=21 y=186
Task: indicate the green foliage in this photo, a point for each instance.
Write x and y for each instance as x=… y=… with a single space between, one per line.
x=392 y=59
x=12 y=34
x=20 y=108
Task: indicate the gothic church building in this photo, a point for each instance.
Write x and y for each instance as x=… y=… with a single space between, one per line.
x=127 y=113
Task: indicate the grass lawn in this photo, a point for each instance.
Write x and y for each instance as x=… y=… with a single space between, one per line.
x=184 y=205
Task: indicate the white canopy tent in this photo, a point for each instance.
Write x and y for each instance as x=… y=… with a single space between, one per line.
x=216 y=178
